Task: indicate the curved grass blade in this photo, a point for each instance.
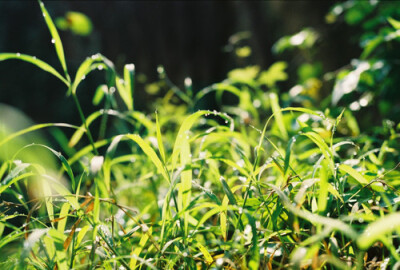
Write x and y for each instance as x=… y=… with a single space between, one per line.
x=55 y=38
x=334 y=224
x=33 y=60
x=378 y=230
x=33 y=128
x=150 y=153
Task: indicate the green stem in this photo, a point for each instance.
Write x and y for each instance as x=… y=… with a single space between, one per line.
x=83 y=119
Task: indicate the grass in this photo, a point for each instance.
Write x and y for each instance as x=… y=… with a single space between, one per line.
x=252 y=187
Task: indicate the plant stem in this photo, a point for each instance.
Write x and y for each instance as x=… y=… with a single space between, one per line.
x=83 y=119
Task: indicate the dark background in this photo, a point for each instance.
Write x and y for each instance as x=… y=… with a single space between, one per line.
x=186 y=37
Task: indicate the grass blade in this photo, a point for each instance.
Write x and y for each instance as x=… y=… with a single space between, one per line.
x=55 y=38
x=33 y=60
x=378 y=230
x=276 y=109
x=150 y=153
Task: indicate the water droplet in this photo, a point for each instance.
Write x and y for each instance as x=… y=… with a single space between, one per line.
x=220 y=261
x=188 y=82
x=44 y=15
x=185 y=254
x=100 y=67
x=18 y=54
x=130 y=67
x=83 y=77
x=53 y=40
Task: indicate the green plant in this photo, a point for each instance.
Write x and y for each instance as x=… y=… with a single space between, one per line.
x=186 y=189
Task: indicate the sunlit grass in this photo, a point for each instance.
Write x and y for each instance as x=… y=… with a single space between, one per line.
x=258 y=187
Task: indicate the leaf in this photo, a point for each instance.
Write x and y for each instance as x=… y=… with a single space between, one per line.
x=55 y=38
x=378 y=230
x=186 y=179
x=33 y=60
x=333 y=224
x=207 y=256
x=228 y=191
x=77 y=22
x=150 y=154
x=276 y=109
x=275 y=73
x=81 y=234
x=64 y=216
x=15 y=175
x=136 y=252
x=394 y=23
x=129 y=79
x=29 y=243
x=33 y=128
x=353 y=173
x=183 y=130
x=245 y=75
x=159 y=139
x=323 y=188
x=288 y=152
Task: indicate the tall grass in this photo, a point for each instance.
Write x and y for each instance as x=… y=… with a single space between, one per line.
x=252 y=187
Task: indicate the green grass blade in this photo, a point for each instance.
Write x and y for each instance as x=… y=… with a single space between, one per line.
x=64 y=215
x=276 y=109
x=55 y=38
x=288 y=152
x=334 y=224
x=159 y=139
x=353 y=173
x=228 y=191
x=129 y=78
x=150 y=153
x=33 y=60
x=33 y=128
x=378 y=230
x=186 y=180
x=182 y=133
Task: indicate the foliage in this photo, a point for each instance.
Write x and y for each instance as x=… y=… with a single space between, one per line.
x=254 y=186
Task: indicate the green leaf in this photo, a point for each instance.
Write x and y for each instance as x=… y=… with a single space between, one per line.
x=394 y=23
x=159 y=139
x=207 y=256
x=353 y=173
x=33 y=128
x=378 y=230
x=64 y=215
x=333 y=224
x=77 y=22
x=33 y=60
x=129 y=79
x=288 y=152
x=275 y=73
x=150 y=154
x=228 y=191
x=55 y=38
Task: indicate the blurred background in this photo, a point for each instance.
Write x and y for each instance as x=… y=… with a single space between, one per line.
x=202 y=40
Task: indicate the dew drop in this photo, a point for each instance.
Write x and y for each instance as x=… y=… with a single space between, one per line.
x=53 y=40
x=100 y=67
x=83 y=77
x=18 y=54
x=220 y=261
x=44 y=15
